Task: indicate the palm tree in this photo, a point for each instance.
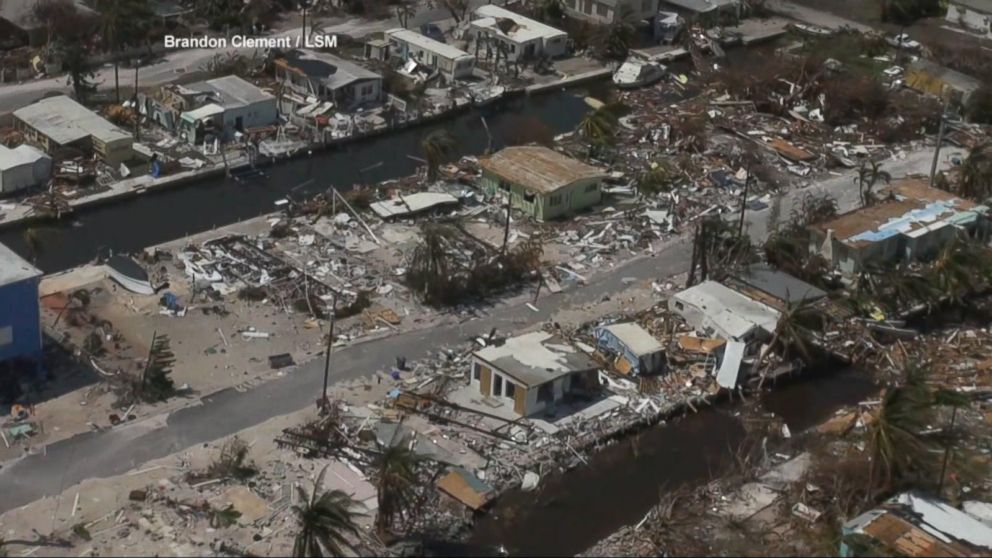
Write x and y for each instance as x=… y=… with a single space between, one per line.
x=961 y=268
x=325 y=519
x=550 y=11
x=900 y=453
x=404 y=11
x=976 y=174
x=658 y=178
x=869 y=173
x=436 y=146
x=396 y=482
x=599 y=127
x=120 y=22
x=618 y=35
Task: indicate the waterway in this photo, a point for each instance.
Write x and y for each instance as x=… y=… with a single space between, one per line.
x=570 y=512
x=155 y=217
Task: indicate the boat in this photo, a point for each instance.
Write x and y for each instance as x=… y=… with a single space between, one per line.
x=635 y=73
x=486 y=94
x=130 y=275
x=811 y=30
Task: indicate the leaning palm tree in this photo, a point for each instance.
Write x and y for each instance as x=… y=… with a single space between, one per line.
x=618 y=35
x=976 y=174
x=436 y=146
x=396 y=482
x=796 y=331
x=962 y=268
x=325 y=519
x=599 y=127
x=869 y=173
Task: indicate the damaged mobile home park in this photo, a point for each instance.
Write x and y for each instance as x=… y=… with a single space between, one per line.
x=736 y=302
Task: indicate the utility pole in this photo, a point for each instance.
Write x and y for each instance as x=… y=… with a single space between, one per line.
x=506 y=228
x=747 y=182
x=940 y=141
x=947 y=452
x=327 y=357
x=137 y=112
x=304 y=5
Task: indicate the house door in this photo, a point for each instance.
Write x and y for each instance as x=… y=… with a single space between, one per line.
x=239 y=124
x=529 y=51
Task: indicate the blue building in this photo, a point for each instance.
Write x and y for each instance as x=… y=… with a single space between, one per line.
x=20 y=314
x=636 y=351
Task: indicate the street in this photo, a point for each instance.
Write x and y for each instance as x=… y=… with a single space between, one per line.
x=110 y=452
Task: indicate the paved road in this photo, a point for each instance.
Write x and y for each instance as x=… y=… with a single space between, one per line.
x=112 y=452
x=177 y=63
x=814 y=16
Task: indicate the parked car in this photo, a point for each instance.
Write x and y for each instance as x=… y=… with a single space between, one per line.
x=903 y=41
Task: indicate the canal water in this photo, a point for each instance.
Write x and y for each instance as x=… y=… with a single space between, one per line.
x=570 y=512
x=156 y=217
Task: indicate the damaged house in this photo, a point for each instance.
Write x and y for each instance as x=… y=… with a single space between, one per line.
x=218 y=108
x=516 y=36
x=541 y=182
x=915 y=525
x=605 y=12
x=409 y=46
x=57 y=122
x=636 y=351
x=716 y=310
x=974 y=15
x=533 y=371
x=315 y=82
x=931 y=78
x=915 y=222
x=774 y=288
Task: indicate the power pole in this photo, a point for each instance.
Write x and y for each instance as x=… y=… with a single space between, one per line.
x=747 y=182
x=947 y=453
x=940 y=141
x=506 y=228
x=327 y=356
x=137 y=112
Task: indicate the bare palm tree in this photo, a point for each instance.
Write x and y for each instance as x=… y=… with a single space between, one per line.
x=962 y=268
x=869 y=173
x=396 y=482
x=599 y=127
x=436 y=146
x=325 y=518
x=976 y=174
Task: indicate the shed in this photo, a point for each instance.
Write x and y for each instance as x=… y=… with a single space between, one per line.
x=638 y=352
x=540 y=181
x=20 y=321
x=23 y=167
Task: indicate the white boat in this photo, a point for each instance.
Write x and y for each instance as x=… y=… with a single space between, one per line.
x=812 y=30
x=635 y=73
x=487 y=94
x=130 y=275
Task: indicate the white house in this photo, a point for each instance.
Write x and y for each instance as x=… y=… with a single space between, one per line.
x=607 y=11
x=231 y=105
x=719 y=311
x=522 y=37
x=318 y=76
x=975 y=15
x=409 y=45
x=23 y=167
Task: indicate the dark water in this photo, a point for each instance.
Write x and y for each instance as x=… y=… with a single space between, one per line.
x=807 y=402
x=153 y=218
x=569 y=513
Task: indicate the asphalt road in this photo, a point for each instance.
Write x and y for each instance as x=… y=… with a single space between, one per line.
x=111 y=452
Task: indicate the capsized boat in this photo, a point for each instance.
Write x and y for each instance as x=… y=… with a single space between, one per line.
x=638 y=73
x=130 y=275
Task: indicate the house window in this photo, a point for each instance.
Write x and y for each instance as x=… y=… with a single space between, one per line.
x=545 y=393
x=476 y=372
x=529 y=197
x=588 y=7
x=367 y=90
x=591 y=187
x=511 y=389
x=679 y=305
x=601 y=9
x=497 y=384
x=554 y=200
x=504 y=185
